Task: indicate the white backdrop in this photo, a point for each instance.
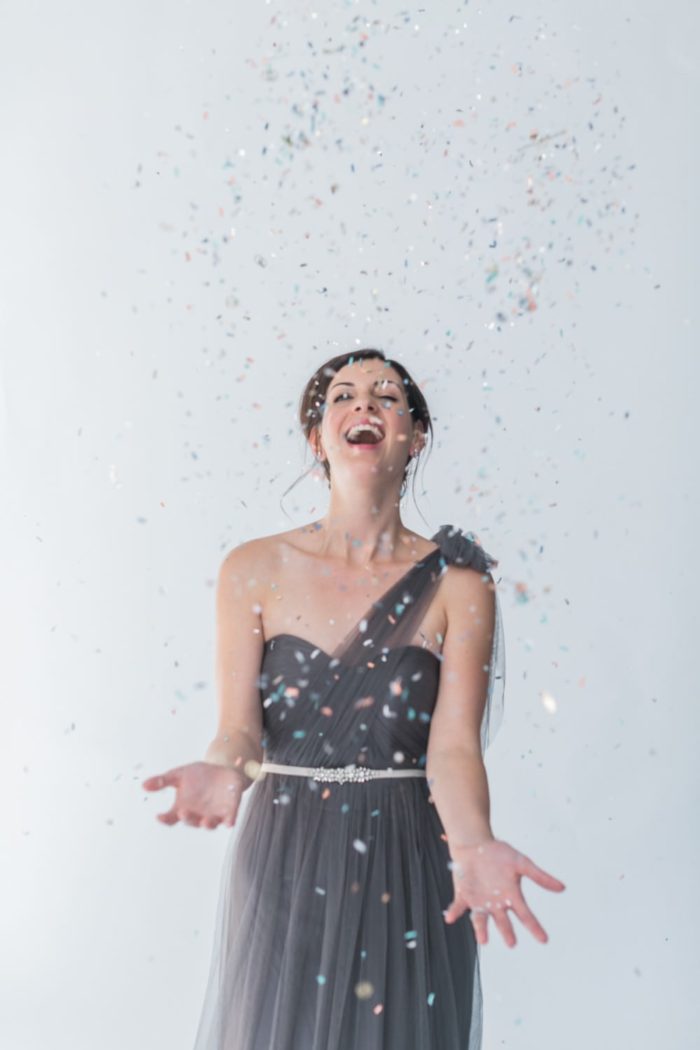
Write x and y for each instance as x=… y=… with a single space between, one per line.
x=200 y=204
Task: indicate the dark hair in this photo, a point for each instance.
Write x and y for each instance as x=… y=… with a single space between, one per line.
x=313 y=400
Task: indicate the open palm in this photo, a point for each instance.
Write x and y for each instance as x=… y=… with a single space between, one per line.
x=486 y=880
x=206 y=794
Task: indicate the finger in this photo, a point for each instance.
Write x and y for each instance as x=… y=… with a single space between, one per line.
x=169 y=779
x=479 y=921
x=458 y=907
x=189 y=817
x=453 y=912
x=211 y=823
x=499 y=915
x=538 y=875
x=521 y=909
x=170 y=817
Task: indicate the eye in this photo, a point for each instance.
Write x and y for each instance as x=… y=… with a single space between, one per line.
x=382 y=397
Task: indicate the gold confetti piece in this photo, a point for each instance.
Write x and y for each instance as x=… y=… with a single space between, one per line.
x=364 y=989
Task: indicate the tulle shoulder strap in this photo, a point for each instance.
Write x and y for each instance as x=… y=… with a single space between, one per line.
x=459 y=548
x=462 y=549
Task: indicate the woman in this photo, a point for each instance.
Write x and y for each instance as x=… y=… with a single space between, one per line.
x=360 y=678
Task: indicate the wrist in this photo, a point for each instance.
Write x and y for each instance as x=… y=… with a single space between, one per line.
x=471 y=841
x=246 y=772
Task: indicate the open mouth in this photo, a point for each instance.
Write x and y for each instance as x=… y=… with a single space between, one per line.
x=364 y=435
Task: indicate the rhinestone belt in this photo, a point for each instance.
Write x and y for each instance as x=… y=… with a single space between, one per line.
x=339 y=774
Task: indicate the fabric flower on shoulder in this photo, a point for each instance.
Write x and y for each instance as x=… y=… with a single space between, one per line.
x=459 y=548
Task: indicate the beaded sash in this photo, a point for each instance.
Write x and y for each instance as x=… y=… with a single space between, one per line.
x=339 y=774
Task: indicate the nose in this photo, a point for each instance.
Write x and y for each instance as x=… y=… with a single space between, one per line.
x=370 y=400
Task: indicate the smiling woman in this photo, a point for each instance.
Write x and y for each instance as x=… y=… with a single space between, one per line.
x=361 y=676
x=336 y=386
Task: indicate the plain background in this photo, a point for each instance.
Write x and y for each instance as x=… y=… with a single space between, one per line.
x=200 y=204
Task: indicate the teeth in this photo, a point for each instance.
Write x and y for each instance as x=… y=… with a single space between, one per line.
x=364 y=426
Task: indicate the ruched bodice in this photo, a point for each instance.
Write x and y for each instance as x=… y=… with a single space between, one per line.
x=402 y=687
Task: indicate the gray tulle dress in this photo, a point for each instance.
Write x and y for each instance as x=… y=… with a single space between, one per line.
x=329 y=931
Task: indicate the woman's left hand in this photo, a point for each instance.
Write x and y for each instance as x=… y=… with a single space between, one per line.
x=486 y=879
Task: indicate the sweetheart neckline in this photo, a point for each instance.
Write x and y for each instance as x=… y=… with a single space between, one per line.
x=377 y=604
x=305 y=641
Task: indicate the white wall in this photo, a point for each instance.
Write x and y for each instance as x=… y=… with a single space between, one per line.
x=200 y=204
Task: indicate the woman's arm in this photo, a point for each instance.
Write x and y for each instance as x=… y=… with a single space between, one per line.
x=239 y=651
x=459 y=788
x=454 y=767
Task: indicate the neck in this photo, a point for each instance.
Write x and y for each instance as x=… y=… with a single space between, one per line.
x=363 y=535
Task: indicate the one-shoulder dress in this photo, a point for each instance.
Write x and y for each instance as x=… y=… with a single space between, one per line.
x=329 y=930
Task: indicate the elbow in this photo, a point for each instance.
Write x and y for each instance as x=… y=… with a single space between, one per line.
x=451 y=756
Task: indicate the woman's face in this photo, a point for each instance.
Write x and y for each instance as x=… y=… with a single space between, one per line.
x=372 y=392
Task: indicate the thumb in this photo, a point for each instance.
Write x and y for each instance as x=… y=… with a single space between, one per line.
x=450 y=912
x=160 y=781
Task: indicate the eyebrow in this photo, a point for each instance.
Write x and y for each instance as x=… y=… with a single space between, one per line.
x=382 y=382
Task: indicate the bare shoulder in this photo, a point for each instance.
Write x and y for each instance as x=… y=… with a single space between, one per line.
x=251 y=564
x=245 y=568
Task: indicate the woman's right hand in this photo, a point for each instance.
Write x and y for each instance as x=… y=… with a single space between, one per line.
x=206 y=794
